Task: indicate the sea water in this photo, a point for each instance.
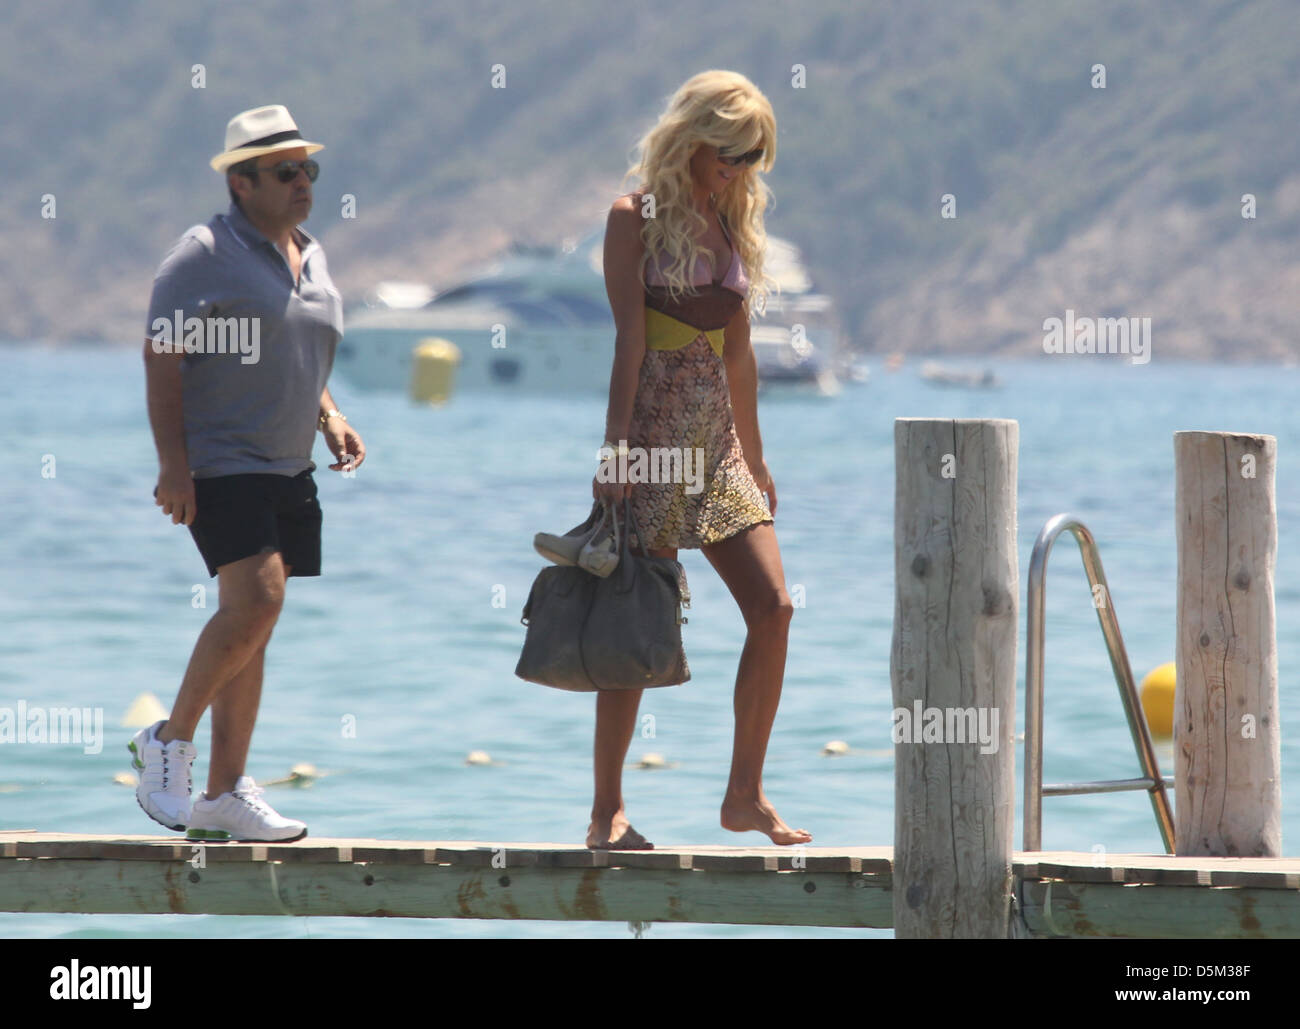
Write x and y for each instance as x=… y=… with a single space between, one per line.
x=394 y=664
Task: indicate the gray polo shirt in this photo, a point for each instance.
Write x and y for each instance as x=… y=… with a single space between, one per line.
x=258 y=347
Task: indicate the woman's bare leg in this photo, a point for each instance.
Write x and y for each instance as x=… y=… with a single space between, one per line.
x=615 y=723
x=750 y=564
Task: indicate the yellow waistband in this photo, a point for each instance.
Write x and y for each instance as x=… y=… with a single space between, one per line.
x=664 y=332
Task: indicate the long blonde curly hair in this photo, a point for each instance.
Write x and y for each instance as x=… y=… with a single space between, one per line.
x=716 y=108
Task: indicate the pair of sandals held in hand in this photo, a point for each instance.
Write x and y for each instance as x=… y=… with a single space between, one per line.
x=592 y=546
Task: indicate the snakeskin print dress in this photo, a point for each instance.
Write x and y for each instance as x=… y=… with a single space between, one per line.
x=683 y=402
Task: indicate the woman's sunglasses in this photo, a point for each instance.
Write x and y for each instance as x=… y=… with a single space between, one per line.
x=287 y=171
x=751 y=158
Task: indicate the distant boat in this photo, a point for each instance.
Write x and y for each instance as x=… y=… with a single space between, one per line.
x=851 y=366
x=964 y=378
x=538 y=321
x=783 y=337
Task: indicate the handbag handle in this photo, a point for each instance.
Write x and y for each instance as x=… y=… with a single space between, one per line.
x=621 y=544
x=629 y=520
x=607 y=511
x=630 y=525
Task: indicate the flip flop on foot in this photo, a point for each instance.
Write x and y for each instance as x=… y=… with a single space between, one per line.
x=629 y=839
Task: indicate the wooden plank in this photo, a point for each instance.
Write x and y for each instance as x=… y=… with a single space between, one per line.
x=482 y=855
x=1256 y=878
x=735 y=862
x=867 y=860
x=469 y=852
x=233 y=852
x=444 y=891
x=656 y=859
x=309 y=853
x=365 y=852
x=1162 y=869
x=1159 y=912
x=1088 y=873
x=1157 y=860
x=83 y=849
x=1063 y=893
x=1126 y=874
x=584 y=858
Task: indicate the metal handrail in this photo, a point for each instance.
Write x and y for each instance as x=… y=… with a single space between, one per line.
x=1151 y=780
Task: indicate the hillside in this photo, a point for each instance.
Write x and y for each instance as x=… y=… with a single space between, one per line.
x=1117 y=201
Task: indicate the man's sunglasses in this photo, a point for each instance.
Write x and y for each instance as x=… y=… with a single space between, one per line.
x=287 y=171
x=751 y=158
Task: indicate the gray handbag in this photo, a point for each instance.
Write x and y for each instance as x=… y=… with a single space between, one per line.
x=623 y=632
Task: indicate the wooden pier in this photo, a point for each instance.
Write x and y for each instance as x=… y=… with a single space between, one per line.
x=953 y=658
x=1055 y=894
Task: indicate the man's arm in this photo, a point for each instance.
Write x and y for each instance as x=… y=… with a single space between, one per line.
x=343 y=440
x=175 y=491
x=326 y=403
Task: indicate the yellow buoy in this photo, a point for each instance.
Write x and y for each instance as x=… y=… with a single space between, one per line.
x=478 y=757
x=146 y=709
x=835 y=748
x=433 y=370
x=302 y=774
x=1158 y=699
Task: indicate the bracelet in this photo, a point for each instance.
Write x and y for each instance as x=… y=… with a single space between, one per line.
x=608 y=450
x=333 y=412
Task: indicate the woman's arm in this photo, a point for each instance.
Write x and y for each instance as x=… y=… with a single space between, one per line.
x=742 y=382
x=623 y=249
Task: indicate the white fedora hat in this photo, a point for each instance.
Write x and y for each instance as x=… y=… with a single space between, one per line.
x=263 y=130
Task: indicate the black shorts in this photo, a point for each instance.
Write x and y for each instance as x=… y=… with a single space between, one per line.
x=242 y=515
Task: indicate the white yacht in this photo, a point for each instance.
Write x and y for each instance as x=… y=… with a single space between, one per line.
x=538 y=321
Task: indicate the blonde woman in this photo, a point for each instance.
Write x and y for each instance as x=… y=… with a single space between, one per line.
x=683 y=269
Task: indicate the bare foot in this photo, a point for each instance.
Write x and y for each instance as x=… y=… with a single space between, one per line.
x=615 y=834
x=743 y=816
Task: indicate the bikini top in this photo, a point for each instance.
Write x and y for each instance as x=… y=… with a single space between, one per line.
x=672 y=323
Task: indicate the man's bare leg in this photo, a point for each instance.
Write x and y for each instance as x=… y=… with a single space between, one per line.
x=234 y=712
x=251 y=595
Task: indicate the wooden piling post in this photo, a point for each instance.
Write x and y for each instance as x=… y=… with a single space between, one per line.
x=1227 y=741
x=956 y=574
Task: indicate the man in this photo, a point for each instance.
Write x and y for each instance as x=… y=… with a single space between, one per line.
x=243 y=325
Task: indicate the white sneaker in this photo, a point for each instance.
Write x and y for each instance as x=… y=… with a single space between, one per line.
x=242 y=814
x=164 y=768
